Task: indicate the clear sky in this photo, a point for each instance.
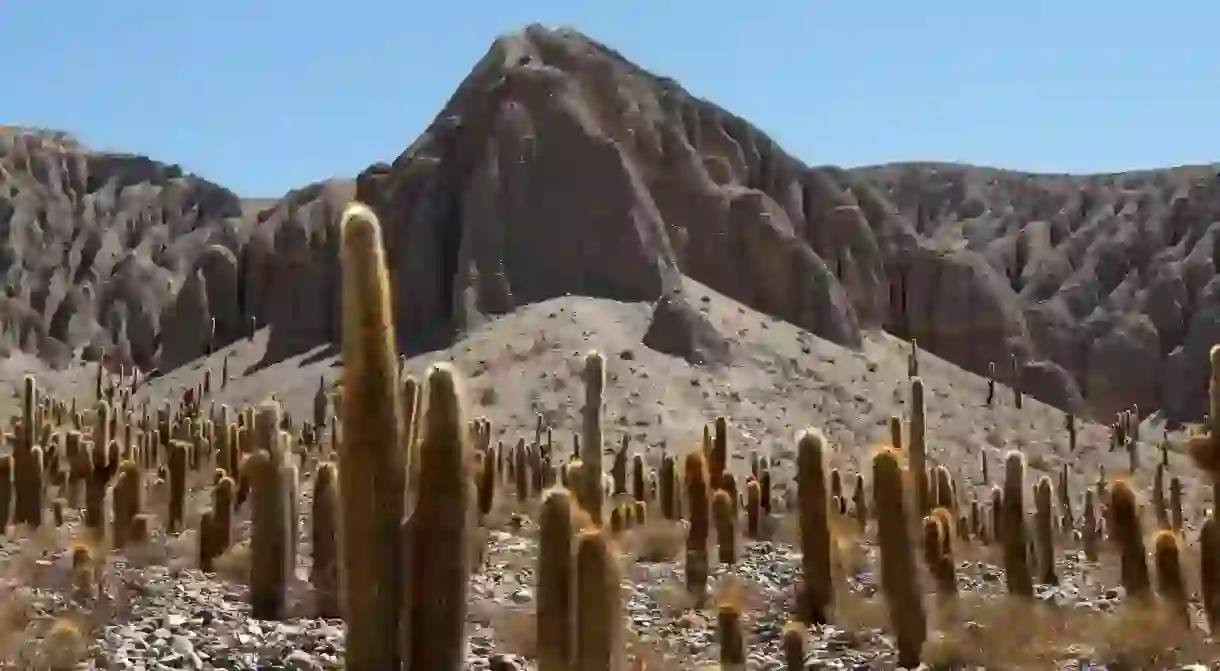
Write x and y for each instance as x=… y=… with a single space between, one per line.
x=266 y=95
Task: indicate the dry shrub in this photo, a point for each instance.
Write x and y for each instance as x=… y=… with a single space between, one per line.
x=516 y=631
x=234 y=564
x=657 y=540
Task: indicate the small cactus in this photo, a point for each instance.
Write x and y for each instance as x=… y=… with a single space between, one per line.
x=324 y=574
x=724 y=514
x=1170 y=583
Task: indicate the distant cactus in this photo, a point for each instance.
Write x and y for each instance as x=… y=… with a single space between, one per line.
x=324 y=574
x=128 y=501
x=589 y=491
x=669 y=488
x=1125 y=528
x=899 y=580
x=753 y=509
x=719 y=460
x=1088 y=531
x=724 y=514
x=1012 y=519
x=812 y=458
x=917 y=453
x=1044 y=532
x=556 y=582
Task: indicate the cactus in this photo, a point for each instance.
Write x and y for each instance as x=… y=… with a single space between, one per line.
x=1044 y=530
x=793 y=645
x=1158 y=497
x=556 y=582
x=1209 y=572
x=223 y=500
x=731 y=637
x=724 y=514
x=6 y=492
x=178 y=460
x=1065 y=501
x=269 y=539
x=669 y=488
x=128 y=501
x=812 y=457
x=371 y=457
x=1012 y=523
x=698 y=494
x=860 y=502
x=1088 y=532
x=639 y=478
x=718 y=461
x=208 y=548
x=589 y=491
x=899 y=581
x=487 y=483
x=439 y=527
x=1175 y=504
x=1170 y=584
x=937 y=549
x=1125 y=528
x=599 y=604
x=753 y=509
x=324 y=574
x=917 y=452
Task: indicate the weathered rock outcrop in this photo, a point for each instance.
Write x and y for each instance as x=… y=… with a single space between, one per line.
x=560 y=167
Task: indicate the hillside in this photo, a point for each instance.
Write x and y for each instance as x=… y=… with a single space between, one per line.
x=1099 y=287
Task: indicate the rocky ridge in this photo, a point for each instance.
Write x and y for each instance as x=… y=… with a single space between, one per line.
x=559 y=167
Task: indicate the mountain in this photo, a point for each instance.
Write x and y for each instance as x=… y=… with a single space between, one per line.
x=559 y=167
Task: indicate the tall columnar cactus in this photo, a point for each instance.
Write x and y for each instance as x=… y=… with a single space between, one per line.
x=698 y=495
x=753 y=509
x=918 y=451
x=488 y=476
x=128 y=501
x=1170 y=583
x=270 y=513
x=324 y=574
x=719 y=459
x=589 y=491
x=440 y=526
x=812 y=463
x=669 y=488
x=1125 y=528
x=899 y=581
x=1065 y=501
x=639 y=478
x=1158 y=497
x=6 y=492
x=224 y=499
x=731 y=636
x=27 y=503
x=724 y=515
x=1175 y=504
x=599 y=626
x=556 y=582
x=1012 y=518
x=371 y=458
x=1044 y=530
x=793 y=645
x=179 y=459
x=1088 y=531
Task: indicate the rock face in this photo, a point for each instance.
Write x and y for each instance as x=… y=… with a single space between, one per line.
x=560 y=167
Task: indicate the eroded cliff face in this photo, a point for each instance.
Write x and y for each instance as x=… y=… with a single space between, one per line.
x=560 y=167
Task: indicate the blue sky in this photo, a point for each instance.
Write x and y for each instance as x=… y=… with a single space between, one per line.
x=266 y=95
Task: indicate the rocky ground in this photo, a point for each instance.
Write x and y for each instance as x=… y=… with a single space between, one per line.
x=154 y=609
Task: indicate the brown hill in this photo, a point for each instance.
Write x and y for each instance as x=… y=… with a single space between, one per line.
x=559 y=167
